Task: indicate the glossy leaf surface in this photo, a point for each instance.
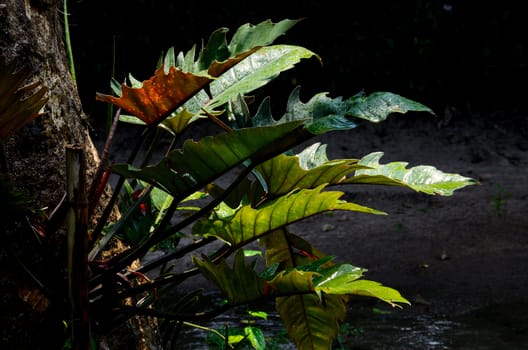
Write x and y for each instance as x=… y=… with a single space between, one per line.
x=364 y=288
x=249 y=223
x=255 y=71
x=377 y=106
x=422 y=178
x=322 y=113
x=295 y=175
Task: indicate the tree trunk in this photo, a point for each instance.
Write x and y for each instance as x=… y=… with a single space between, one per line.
x=33 y=266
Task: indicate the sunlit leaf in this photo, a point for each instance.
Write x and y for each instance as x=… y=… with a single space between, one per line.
x=18 y=104
x=252 y=252
x=250 y=223
x=370 y=289
x=313 y=156
x=293 y=175
x=378 y=106
x=259 y=314
x=334 y=280
x=235 y=339
x=255 y=71
x=345 y=279
x=422 y=178
x=255 y=337
x=322 y=113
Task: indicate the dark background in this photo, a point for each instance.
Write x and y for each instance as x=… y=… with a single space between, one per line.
x=468 y=54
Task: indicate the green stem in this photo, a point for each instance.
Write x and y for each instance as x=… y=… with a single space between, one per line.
x=68 y=42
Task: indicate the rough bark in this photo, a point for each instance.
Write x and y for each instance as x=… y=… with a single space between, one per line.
x=32 y=34
x=32 y=268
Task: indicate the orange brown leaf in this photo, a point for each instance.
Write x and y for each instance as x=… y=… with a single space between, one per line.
x=159 y=96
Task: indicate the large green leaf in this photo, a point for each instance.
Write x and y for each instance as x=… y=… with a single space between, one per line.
x=255 y=71
x=422 y=178
x=345 y=279
x=344 y=284
x=294 y=174
x=338 y=279
x=323 y=114
x=333 y=280
x=250 y=223
x=312 y=323
x=183 y=172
